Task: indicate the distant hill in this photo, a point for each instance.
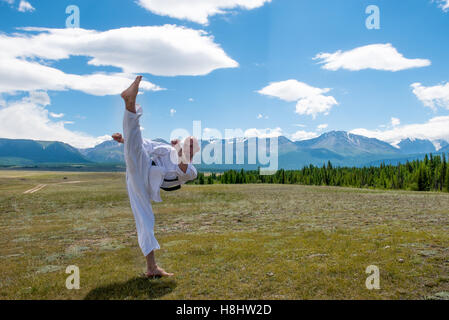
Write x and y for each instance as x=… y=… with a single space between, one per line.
x=441 y=144
x=444 y=150
x=348 y=144
x=108 y=152
x=416 y=146
x=292 y=155
x=306 y=157
x=339 y=147
x=26 y=152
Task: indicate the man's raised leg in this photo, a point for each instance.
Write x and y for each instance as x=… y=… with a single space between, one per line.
x=137 y=167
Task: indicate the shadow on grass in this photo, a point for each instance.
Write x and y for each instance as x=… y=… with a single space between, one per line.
x=136 y=288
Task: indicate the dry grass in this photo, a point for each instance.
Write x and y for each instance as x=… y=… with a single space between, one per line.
x=222 y=241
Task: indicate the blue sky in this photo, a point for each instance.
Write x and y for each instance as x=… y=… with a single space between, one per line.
x=255 y=67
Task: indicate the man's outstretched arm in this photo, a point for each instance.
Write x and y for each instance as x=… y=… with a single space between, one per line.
x=118 y=137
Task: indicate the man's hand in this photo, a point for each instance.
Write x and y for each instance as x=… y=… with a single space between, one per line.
x=118 y=137
x=177 y=145
x=176 y=142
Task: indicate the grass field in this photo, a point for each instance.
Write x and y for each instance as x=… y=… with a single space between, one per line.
x=222 y=241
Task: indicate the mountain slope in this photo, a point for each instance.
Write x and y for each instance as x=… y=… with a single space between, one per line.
x=444 y=150
x=106 y=152
x=341 y=148
x=348 y=144
x=440 y=144
x=416 y=146
x=306 y=157
x=30 y=152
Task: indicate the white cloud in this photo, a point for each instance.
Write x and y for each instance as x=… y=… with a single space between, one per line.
x=57 y=115
x=25 y=6
x=261 y=116
x=38 y=97
x=432 y=97
x=172 y=112
x=198 y=11
x=264 y=133
x=322 y=126
x=375 y=56
x=434 y=129
x=21 y=75
x=310 y=100
x=28 y=119
x=10 y=2
x=191 y=100
x=25 y=59
x=303 y=135
x=260 y=133
x=443 y=4
x=291 y=90
x=209 y=133
x=395 y=122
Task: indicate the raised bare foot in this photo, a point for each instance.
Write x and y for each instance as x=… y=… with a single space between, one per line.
x=130 y=95
x=157 y=273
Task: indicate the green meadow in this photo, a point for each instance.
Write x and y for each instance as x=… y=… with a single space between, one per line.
x=222 y=241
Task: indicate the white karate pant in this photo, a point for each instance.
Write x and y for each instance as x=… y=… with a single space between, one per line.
x=137 y=180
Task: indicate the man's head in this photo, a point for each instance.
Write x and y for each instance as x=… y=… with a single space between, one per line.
x=188 y=149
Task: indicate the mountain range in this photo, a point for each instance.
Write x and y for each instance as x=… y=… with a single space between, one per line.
x=339 y=147
x=30 y=152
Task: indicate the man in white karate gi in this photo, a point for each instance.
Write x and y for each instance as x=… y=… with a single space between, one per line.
x=151 y=166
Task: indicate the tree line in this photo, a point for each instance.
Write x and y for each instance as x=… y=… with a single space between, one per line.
x=429 y=174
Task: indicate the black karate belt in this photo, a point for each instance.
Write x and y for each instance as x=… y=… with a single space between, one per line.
x=175 y=188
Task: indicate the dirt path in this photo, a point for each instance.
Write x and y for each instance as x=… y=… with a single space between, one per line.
x=35 y=189
x=42 y=186
x=70 y=182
